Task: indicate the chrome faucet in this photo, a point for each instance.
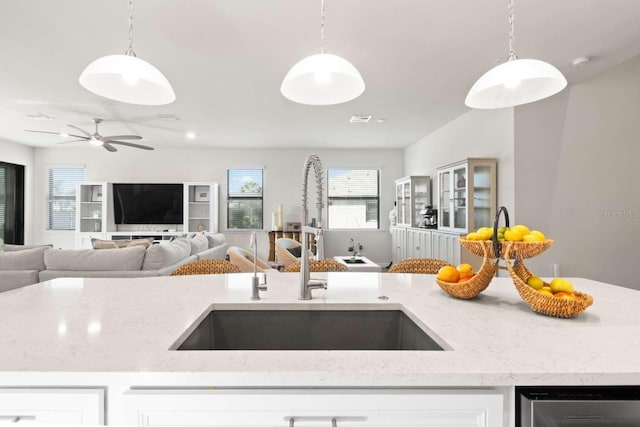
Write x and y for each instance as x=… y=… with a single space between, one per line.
x=306 y=284
x=256 y=287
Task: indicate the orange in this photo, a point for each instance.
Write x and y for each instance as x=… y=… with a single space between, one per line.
x=464 y=269
x=465 y=278
x=448 y=273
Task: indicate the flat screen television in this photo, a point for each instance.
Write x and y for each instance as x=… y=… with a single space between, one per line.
x=148 y=203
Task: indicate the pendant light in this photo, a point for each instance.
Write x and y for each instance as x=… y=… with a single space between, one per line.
x=515 y=82
x=322 y=79
x=127 y=78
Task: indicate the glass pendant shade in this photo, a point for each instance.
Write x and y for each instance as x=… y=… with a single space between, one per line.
x=322 y=79
x=515 y=82
x=127 y=79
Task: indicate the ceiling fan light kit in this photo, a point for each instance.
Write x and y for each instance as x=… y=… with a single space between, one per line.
x=322 y=79
x=515 y=82
x=126 y=78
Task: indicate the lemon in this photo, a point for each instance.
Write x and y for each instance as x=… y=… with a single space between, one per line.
x=541 y=236
x=535 y=282
x=485 y=233
x=473 y=236
x=544 y=291
x=448 y=273
x=464 y=269
x=516 y=233
x=561 y=285
x=533 y=238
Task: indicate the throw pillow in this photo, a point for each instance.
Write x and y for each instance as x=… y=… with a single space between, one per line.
x=296 y=252
x=199 y=243
x=13 y=248
x=27 y=259
x=115 y=244
x=164 y=255
x=215 y=239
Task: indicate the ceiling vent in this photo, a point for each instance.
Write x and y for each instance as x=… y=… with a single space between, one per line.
x=168 y=117
x=359 y=119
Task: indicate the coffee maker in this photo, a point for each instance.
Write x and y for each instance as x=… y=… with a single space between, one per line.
x=429 y=217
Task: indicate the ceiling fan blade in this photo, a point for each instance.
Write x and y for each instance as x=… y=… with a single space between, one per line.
x=56 y=133
x=111 y=138
x=73 y=140
x=81 y=130
x=143 y=147
x=109 y=147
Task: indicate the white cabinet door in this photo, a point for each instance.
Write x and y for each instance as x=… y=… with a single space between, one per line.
x=446 y=246
x=51 y=406
x=311 y=408
x=418 y=243
x=398 y=243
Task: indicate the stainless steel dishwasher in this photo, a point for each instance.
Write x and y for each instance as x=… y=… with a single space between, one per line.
x=580 y=406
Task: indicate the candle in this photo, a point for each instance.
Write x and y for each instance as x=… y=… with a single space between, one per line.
x=280 y=216
x=274 y=221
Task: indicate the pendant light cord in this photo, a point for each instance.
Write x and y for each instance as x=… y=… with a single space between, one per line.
x=322 y=27
x=130 y=51
x=512 y=37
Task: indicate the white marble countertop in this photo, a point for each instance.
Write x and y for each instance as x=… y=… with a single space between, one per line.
x=58 y=331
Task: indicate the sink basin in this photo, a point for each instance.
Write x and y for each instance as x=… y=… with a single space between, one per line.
x=317 y=329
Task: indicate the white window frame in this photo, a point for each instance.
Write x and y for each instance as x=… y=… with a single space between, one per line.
x=330 y=198
x=49 y=199
x=231 y=199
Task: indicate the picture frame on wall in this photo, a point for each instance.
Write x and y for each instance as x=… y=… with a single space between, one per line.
x=96 y=194
x=201 y=193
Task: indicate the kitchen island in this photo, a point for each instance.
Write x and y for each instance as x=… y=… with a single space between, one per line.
x=116 y=334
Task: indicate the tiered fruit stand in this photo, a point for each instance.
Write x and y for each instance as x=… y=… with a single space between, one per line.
x=516 y=251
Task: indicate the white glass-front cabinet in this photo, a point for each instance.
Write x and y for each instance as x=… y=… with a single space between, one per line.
x=412 y=194
x=309 y=408
x=201 y=207
x=467 y=195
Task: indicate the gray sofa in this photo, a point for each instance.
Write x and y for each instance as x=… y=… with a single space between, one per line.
x=22 y=265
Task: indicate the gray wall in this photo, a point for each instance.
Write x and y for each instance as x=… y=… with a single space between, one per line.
x=282 y=183
x=577 y=157
x=478 y=133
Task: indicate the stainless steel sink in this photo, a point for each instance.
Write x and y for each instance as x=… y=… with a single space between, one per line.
x=306 y=329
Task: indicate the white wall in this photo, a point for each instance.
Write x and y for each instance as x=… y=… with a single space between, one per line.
x=23 y=155
x=282 y=183
x=478 y=133
x=577 y=160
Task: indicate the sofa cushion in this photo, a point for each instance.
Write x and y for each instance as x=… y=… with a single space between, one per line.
x=219 y=252
x=118 y=244
x=26 y=259
x=12 y=248
x=125 y=259
x=216 y=239
x=163 y=255
x=10 y=279
x=199 y=243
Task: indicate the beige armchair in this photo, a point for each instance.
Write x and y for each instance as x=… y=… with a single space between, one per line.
x=244 y=260
x=284 y=247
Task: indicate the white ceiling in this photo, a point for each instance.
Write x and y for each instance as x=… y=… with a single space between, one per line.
x=226 y=60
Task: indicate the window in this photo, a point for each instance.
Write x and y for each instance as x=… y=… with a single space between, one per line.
x=244 y=199
x=353 y=198
x=11 y=203
x=62 y=197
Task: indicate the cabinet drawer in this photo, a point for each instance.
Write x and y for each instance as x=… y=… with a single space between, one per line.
x=311 y=408
x=52 y=406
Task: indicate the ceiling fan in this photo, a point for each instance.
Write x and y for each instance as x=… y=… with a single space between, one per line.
x=96 y=139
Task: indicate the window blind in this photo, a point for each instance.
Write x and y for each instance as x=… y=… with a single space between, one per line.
x=244 y=199
x=62 y=197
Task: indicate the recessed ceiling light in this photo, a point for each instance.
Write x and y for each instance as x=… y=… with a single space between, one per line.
x=360 y=118
x=191 y=135
x=64 y=135
x=381 y=120
x=581 y=60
